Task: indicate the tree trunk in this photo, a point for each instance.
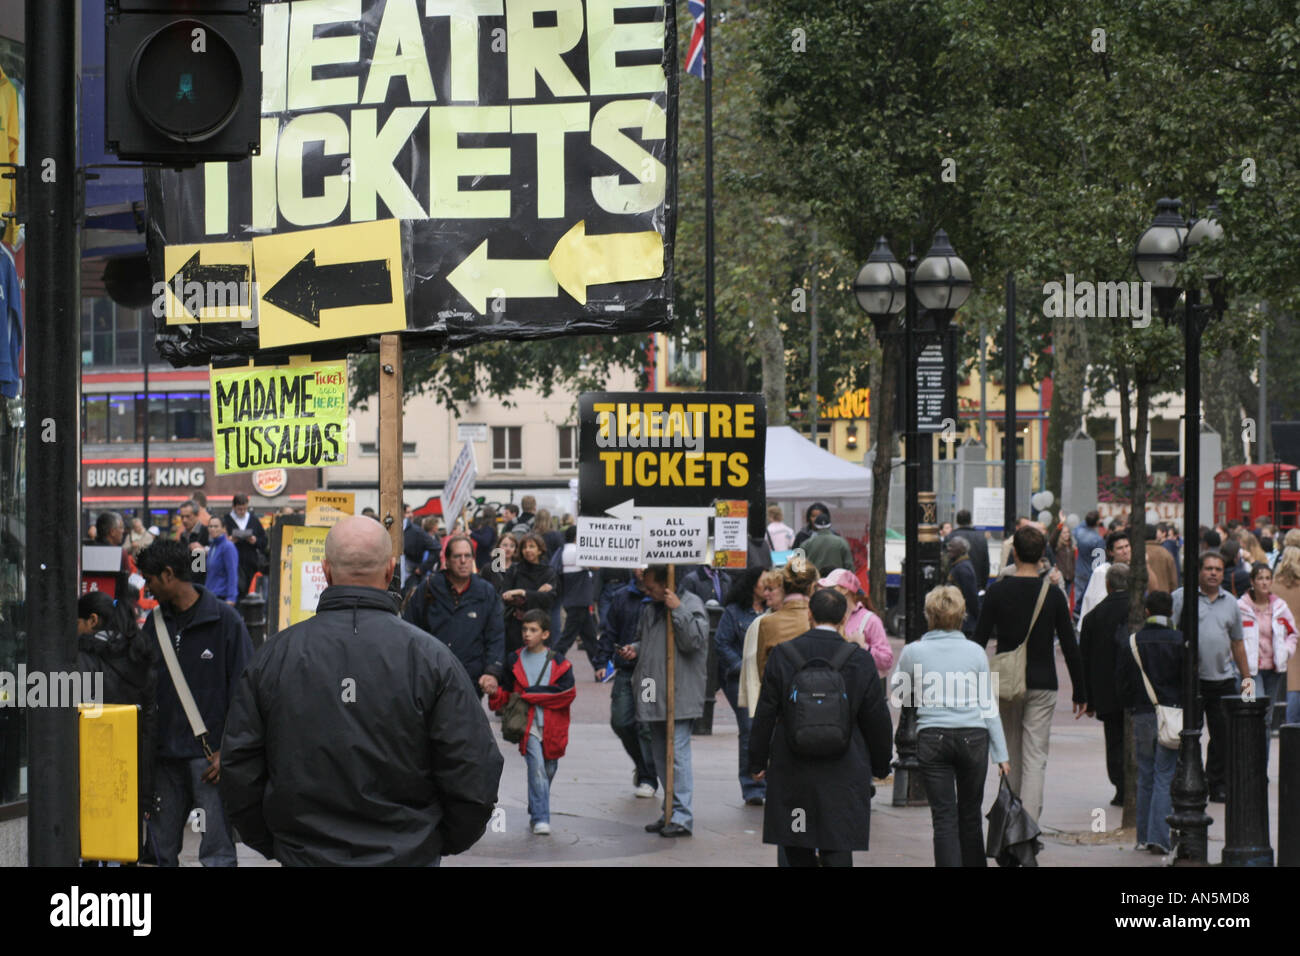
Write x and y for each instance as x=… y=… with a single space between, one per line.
x=1069 y=362
x=1135 y=445
x=885 y=443
x=1220 y=389
x=771 y=351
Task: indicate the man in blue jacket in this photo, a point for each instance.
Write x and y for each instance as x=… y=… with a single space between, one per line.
x=617 y=629
x=222 y=563
x=463 y=611
x=212 y=647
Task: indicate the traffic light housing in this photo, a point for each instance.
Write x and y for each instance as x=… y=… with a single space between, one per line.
x=183 y=79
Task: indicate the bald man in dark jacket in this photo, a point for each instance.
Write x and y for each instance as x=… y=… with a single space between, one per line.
x=355 y=737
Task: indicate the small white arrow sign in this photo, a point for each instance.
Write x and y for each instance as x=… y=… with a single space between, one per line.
x=629 y=509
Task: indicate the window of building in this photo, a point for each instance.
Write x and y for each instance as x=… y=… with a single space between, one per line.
x=507 y=448
x=1102 y=431
x=114 y=336
x=568 y=447
x=187 y=417
x=685 y=367
x=1164 y=448
x=372 y=447
x=172 y=416
x=94 y=418
x=121 y=418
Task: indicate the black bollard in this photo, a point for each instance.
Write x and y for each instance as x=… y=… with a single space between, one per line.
x=1246 y=811
x=252 y=607
x=1288 y=796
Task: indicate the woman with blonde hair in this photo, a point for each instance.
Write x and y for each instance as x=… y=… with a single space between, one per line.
x=798 y=581
x=958 y=727
x=1250 y=544
x=1286 y=585
x=770 y=584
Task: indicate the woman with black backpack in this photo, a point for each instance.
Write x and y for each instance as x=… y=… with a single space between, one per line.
x=820 y=733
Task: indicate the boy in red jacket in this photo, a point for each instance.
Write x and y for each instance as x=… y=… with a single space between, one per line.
x=544 y=680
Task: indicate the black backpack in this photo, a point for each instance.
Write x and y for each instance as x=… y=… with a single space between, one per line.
x=818 y=722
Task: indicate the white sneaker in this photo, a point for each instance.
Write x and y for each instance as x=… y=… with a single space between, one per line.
x=644 y=789
x=542 y=829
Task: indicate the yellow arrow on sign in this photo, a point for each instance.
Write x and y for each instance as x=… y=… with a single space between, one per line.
x=579 y=260
x=478 y=278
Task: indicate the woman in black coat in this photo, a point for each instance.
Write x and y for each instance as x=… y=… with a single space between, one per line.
x=821 y=803
x=528 y=584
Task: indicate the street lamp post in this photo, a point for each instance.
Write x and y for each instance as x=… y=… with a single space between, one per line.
x=1159 y=250
x=940 y=283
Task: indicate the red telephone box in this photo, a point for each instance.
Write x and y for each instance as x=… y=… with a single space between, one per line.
x=1244 y=492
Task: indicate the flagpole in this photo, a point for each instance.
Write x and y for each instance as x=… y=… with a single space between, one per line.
x=708 y=200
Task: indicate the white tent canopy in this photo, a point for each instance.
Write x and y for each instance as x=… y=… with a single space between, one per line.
x=799 y=470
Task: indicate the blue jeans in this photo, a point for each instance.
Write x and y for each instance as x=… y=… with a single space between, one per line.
x=1155 y=767
x=181 y=787
x=633 y=735
x=749 y=787
x=1293 y=706
x=683 y=782
x=540 y=774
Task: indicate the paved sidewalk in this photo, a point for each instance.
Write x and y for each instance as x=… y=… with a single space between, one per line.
x=597 y=821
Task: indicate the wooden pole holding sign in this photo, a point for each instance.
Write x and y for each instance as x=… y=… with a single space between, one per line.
x=671 y=700
x=390 y=440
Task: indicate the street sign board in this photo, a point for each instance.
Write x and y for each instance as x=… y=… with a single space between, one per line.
x=671 y=451
x=988 y=507
x=327 y=508
x=529 y=156
x=609 y=543
x=676 y=540
x=279 y=417
x=471 y=431
x=931 y=396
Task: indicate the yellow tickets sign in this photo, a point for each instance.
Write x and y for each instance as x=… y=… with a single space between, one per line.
x=305 y=552
x=327 y=508
x=333 y=283
x=279 y=417
x=207 y=282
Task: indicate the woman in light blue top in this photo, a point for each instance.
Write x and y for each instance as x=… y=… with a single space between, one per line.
x=946 y=677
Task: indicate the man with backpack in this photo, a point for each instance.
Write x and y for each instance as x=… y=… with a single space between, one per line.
x=820 y=733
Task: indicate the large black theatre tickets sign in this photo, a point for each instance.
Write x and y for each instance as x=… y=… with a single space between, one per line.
x=460 y=170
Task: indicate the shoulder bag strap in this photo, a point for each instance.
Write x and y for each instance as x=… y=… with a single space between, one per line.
x=1151 y=691
x=1042 y=596
x=178 y=680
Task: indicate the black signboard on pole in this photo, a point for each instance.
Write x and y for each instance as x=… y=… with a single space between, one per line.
x=672 y=449
x=529 y=157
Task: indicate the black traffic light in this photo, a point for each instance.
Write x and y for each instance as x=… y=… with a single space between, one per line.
x=183 y=79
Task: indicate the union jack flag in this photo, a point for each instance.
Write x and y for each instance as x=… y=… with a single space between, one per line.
x=695 y=52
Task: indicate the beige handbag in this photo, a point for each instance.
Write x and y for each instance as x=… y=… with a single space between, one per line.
x=1169 y=720
x=1010 y=665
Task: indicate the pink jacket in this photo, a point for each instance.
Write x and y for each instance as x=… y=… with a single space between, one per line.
x=867 y=631
x=1284 y=632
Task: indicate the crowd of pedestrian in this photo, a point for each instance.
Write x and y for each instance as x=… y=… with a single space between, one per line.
x=483 y=619
x=1248 y=598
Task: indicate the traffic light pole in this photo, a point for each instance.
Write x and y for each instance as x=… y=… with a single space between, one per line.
x=53 y=298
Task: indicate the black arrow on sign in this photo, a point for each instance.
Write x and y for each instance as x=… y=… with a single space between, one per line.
x=207 y=276
x=307 y=288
